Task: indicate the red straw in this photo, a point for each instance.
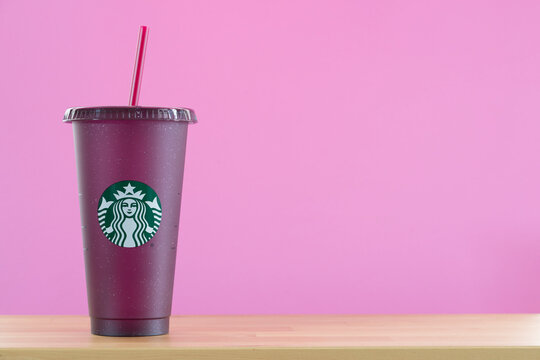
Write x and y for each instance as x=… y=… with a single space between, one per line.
x=137 y=71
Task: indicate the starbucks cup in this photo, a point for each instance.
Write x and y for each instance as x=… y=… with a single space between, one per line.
x=130 y=166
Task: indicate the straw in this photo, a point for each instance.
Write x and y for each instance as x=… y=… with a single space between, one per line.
x=137 y=71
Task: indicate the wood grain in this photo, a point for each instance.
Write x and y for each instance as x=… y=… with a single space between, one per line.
x=491 y=336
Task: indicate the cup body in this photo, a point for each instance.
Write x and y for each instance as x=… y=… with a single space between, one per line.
x=130 y=174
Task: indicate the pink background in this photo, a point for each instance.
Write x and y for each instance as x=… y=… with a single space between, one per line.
x=351 y=156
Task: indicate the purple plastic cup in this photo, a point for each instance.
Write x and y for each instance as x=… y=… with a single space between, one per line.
x=130 y=166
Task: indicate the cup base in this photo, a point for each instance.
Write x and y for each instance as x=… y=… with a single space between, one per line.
x=129 y=327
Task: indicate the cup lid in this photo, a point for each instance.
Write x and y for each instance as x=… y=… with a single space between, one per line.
x=129 y=113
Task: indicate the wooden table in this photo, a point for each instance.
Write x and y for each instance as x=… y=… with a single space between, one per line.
x=340 y=337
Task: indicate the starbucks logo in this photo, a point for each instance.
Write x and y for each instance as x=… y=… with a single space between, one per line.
x=129 y=213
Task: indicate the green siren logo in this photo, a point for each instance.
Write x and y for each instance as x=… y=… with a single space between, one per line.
x=129 y=213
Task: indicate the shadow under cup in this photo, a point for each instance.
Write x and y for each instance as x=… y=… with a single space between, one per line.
x=130 y=166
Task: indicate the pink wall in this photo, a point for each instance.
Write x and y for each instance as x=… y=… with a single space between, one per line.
x=351 y=156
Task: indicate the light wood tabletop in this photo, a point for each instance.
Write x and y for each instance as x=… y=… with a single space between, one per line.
x=242 y=337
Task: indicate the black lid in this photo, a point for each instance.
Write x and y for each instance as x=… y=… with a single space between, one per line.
x=129 y=113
